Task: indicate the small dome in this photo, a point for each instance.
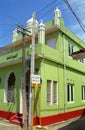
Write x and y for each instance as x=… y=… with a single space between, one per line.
x=41 y=24
x=15 y=31
x=30 y=21
x=57 y=10
x=14 y=36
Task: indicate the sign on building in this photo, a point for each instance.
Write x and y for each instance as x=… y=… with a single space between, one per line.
x=36 y=81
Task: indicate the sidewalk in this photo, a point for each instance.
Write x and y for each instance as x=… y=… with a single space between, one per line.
x=72 y=124
x=5 y=125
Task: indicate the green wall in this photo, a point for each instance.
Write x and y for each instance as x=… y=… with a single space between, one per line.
x=4 y=72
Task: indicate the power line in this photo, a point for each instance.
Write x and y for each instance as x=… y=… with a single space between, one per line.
x=13 y=18
x=6 y=35
x=48 y=5
x=7 y=24
x=49 y=11
x=77 y=18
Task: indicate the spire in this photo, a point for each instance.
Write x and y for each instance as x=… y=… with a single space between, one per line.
x=14 y=36
x=41 y=25
x=57 y=12
x=57 y=16
x=41 y=33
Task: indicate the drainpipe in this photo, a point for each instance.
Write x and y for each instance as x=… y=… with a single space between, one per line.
x=64 y=75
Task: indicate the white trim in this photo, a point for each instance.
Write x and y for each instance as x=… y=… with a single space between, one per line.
x=70 y=96
x=21 y=103
x=83 y=93
x=50 y=92
x=6 y=86
x=56 y=92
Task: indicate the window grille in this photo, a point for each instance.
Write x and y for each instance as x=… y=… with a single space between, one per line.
x=55 y=92
x=70 y=93
x=10 y=89
x=83 y=93
x=70 y=49
x=49 y=92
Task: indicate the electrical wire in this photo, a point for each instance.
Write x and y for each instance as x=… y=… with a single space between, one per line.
x=4 y=24
x=45 y=7
x=49 y=11
x=38 y=13
x=9 y=33
x=77 y=18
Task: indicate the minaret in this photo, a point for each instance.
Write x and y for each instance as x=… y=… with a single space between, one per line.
x=57 y=16
x=14 y=36
x=41 y=33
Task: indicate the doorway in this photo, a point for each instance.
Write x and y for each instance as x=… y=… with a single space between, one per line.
x=27 y=91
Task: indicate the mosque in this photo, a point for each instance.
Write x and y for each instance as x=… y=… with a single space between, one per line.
x=61 y=95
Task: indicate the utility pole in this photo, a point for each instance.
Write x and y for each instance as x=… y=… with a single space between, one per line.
x=32 y=73
x=23 y=31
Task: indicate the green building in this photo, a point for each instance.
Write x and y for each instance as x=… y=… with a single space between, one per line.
x=61 y=95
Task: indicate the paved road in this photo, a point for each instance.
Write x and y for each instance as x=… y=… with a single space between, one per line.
x=74 y=124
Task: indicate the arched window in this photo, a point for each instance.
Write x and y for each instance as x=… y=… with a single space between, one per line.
x=10 y=88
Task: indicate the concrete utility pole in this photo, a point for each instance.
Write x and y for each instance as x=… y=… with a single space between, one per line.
x=32 y=73
x=23 y=32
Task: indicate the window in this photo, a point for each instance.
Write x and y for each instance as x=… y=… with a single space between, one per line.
x=82 y=60
x=52 y=92
x=83 y=93
x=70 y=93
x=70 y=49
x=55 y=92
x=9 y=88
x=49 y=92
x=52 y=43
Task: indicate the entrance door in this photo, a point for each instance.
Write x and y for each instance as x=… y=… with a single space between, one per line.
x=27 y=91
x=27 y=87
x=27 y=97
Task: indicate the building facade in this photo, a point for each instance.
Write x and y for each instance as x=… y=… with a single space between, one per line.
x=62 y=92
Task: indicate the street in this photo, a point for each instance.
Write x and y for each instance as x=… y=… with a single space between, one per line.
x=73 y=124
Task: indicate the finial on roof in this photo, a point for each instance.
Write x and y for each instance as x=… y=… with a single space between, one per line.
x=41 y=23
x=57 y=11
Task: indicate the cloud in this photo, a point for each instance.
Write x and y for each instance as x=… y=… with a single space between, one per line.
x=78 y=31
x=79 y=9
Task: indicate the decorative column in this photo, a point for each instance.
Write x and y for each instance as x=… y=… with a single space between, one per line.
x=57 y=16
x=15 y=34
x=41 y=33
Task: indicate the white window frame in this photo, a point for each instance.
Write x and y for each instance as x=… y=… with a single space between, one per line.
x=55 y=92
x=82 y=60
x=49 y=92
x=70 y=49
x=83 y=93
x=6 y=89
x=71 y=87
